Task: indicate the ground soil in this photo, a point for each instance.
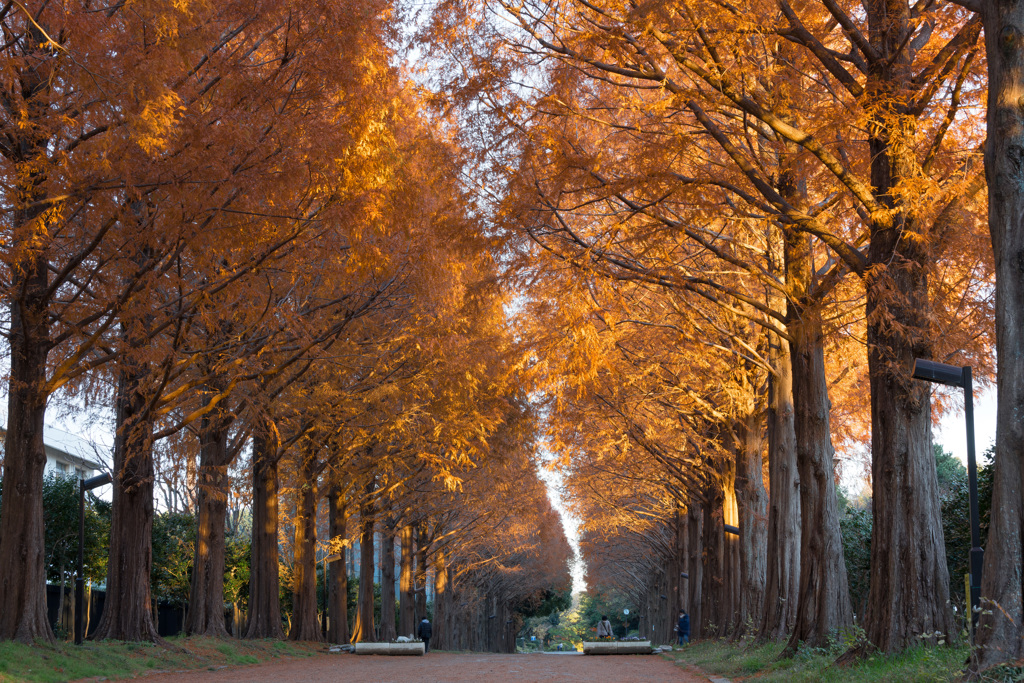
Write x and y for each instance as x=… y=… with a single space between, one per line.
x=442 y=667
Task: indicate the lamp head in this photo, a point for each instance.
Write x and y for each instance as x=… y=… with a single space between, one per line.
x=938 y=373
x=99 y=480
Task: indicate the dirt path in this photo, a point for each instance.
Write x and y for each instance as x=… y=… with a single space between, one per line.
x=445 y=668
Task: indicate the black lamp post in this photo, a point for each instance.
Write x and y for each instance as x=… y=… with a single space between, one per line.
x=83 y=486
x=951 y=375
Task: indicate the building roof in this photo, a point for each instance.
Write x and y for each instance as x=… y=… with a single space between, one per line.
x=80 y=452
x=83 y=450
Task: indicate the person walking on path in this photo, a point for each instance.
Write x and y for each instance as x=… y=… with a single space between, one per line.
x=604 y=628
x=683 y=628
x=424 y=633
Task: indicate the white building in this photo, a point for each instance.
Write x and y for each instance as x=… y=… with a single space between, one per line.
x=67 y=453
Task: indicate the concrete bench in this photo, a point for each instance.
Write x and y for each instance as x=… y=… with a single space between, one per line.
x=389 y=648
x=617 y=647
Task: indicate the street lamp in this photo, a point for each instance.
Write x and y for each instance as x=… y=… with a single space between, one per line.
x=951 y=375
x=83 y=486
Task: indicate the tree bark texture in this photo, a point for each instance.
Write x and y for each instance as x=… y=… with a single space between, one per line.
x=782 y=573
x=470 y=616
x=364 y=630
x=206 y=595
x=337 y=596
x=305 y=625
x=713 y=589
x=657 y=617
x=909 y=592
x=1001 y=626
x=420 y=572
x=731 y=558
x=442 y=627
x=673 y=582
x=127 y=612
x=752 y=503
x=824 y=599
x=22 y=563
x=682 y=549
x=264 y=577
x=695 y=566
x=388 y=631
x=406 y=584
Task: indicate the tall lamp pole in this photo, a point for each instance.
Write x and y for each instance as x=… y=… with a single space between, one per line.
x=83 y=486
x=951 y=375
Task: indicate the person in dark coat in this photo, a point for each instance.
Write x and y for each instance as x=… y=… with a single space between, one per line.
x=683 y=628
x=424 y=633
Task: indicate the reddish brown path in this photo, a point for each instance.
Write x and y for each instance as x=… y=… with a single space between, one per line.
x=453 y=668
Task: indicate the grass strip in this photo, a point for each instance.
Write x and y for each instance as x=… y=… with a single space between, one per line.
x=114 y=660
x=761 y=663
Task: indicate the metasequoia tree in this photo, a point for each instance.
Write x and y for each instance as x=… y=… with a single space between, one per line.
x=645 y=308
x=905 y=71
x=374 y=399
x=109 y=206
x=229 y=381
x=606 y=159
x=78 y=159
x=999 y=635
x=497 y=545
x=647 y=402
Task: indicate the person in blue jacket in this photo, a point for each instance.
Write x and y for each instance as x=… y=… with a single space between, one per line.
x=424 y=633
x=683 y=628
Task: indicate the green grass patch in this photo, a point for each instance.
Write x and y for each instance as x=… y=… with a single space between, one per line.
x=113 y=660
x=761 y=663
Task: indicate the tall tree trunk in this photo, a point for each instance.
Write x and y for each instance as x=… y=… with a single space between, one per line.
x=714 y=588
x=442 y=637
x=824 y=599
x=1000 y=626
x=824 y=602
x=752 y=501
x=264 y=576
x=22 y=555
x=731 y=552
x=305 y=625
x=206 y=595
x=678 y=597
x=421 y=570
x=387 y=582
x=782 y=574
x=337 y=596
x=695 y=566
x=909 y=592
x=364 y=627
x=127 y=613
x=406 y=584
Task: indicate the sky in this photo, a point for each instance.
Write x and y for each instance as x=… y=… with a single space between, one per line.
x=951 y=431
x=571 y=524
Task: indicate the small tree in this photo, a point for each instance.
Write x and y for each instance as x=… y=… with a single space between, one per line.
x=60 y=518
x=174 y=536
